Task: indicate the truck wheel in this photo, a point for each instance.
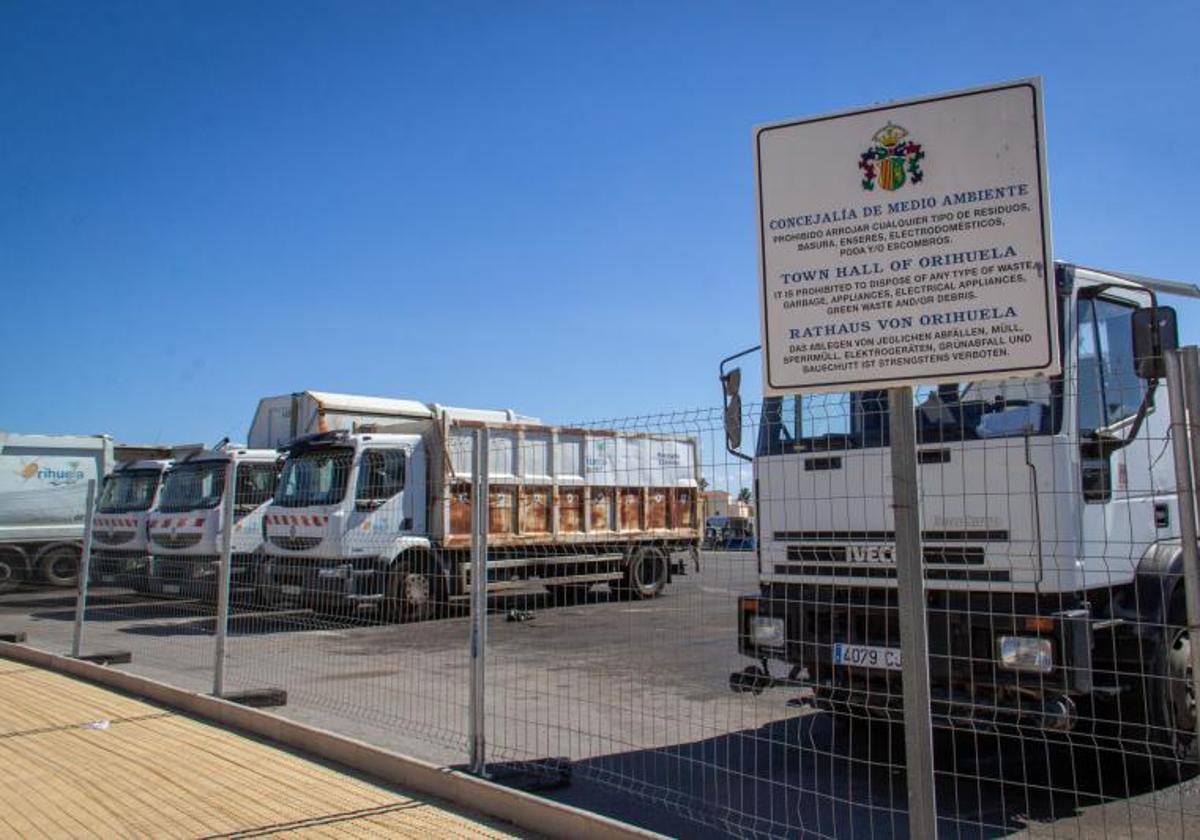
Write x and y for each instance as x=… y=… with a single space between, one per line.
x=646 y=574
x=1180 y=731
x=412 y=592
x=60 y=566
x=1174 y=725
x=12 y=570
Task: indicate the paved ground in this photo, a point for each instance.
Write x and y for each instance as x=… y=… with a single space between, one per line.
x=634 y=696
x=77 y=760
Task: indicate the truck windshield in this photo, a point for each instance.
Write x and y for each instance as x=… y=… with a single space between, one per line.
x=128 y=491
x=315 y=477
x=193 y=486
x=945 y=413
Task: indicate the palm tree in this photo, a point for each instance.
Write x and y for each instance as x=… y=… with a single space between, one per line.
x=744 y=495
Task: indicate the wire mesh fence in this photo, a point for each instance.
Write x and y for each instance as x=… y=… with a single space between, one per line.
x=704 y=638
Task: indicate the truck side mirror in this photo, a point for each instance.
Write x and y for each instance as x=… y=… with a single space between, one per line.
x=732 y=383
x=1154 y=333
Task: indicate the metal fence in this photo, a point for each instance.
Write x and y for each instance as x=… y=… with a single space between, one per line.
x=628 y=590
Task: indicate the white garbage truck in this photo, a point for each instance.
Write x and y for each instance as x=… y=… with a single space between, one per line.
x=120 y=548
x=379 y=518
x=43 y=504
x=1050 y=531
x=186 y=526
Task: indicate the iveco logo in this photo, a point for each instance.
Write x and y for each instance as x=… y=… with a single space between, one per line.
x=870 y=554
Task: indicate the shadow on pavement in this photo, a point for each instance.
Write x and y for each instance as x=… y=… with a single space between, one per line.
x=803 y=777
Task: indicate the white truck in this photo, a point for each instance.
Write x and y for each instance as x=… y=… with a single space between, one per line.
x=1051 y=540
x=120 y=548
x=185 y=528
x=43 y=503
x=381 y=518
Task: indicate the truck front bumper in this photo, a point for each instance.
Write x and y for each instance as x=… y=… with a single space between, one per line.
x=199 y=577
x=118 y=568
x=971 y=685
x=330 y=583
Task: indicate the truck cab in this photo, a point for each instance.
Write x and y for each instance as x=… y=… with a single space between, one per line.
x=346 y=505
x=1050 y=534
x=186 y=528
x=120 y=547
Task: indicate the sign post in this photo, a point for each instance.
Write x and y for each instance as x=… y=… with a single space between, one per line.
x=904 y=244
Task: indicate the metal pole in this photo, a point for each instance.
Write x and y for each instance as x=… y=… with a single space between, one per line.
x=479 y=532
x=224 y=571
x=914 y=631
x=85 y=568
x=1183 y=392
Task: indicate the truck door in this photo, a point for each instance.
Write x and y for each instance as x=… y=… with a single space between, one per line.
x=379 y=510
x=1117 y=488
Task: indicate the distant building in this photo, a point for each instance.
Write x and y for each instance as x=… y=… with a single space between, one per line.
x=721 y=503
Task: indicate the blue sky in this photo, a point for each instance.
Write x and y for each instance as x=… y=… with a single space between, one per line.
x=543 y=206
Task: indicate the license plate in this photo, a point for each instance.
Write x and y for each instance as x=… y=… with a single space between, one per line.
x=107 y=578
x=290 y=590
x=170 y=589
x=866 y=656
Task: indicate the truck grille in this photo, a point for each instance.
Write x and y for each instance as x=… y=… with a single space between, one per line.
x=295 y=543
x=113 y=537
x=176 y=541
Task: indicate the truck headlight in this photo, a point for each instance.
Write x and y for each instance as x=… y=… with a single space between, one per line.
x=766 y=632
x=1025 y=653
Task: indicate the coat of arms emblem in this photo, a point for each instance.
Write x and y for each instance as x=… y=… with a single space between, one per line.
x=892 y=160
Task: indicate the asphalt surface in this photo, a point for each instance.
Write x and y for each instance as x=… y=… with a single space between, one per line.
x=621 y=707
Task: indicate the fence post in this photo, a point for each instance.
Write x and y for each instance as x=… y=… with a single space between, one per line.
x=85 y=569
x=1183 y=393
x=914 y=629
x=224 y=571
x=479 y=531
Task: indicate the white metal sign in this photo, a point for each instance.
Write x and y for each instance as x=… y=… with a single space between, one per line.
x=907 y=243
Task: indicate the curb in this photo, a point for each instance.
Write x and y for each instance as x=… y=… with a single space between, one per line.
x=531 y=813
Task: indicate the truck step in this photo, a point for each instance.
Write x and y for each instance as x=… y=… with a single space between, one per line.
x=553 y=560
x=529 y=583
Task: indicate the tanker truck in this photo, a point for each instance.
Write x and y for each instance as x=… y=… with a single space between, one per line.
x=43 y=504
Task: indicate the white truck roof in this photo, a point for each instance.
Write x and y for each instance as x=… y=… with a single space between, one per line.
x=282 y=418
x=14 y=440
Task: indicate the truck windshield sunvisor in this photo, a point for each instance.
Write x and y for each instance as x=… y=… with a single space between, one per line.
x=947 y=413
x=128 y=491
x=315 y=477
x=192 y=487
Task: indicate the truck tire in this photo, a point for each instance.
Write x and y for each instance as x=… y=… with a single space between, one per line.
x=646 y=574
x=1173 y=703
x=413 y=588
x=12 y=569
x=60 y=565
